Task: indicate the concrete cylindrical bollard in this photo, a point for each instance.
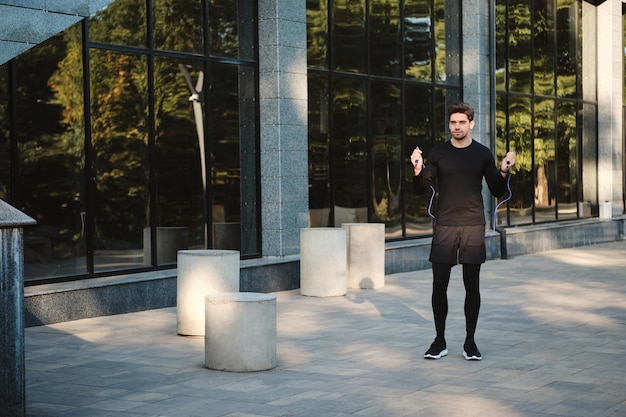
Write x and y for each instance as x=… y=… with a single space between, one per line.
x=323 y=261
x=202 y=272
x=240 y=332
x=366 y=255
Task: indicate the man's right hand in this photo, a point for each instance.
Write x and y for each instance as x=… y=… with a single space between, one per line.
x=417 y=160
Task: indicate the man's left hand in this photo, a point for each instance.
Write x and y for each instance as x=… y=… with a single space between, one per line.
x=508 y=162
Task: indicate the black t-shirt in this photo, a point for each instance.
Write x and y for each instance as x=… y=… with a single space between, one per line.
x=459 y=173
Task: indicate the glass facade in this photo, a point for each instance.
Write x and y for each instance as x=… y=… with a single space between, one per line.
x=383 y=86
x=541 y=112
x=377 y=93
x=133 y=134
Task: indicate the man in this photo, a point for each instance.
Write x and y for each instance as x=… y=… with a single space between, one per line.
x=459 y=164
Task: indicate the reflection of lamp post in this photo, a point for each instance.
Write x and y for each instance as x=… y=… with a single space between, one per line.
x=195 y=98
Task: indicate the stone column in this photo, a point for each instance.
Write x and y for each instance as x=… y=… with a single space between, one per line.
x=12 y=363
x=610 y=87
x=476 y=76
x=283 y=118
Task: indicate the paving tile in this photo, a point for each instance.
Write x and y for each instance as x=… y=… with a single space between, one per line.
x=552 y=332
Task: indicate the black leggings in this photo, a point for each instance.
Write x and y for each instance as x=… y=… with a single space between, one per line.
x=441 y=278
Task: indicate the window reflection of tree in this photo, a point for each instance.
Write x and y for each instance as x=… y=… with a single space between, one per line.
x=386 y=160
x=385 y=37
x=317 y=33
x=520 y=138
x=545 y=192
x=349 y=52
x=350 y=151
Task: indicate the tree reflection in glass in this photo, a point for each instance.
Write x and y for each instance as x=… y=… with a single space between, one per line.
x=317 y=33
x=50 y=186
x=387 y=161
x=544 y=69
x=119 y=133
x=5 y=135
x=418 y=35
x=123 y=22
x=418 y=109
x=520 y=45
x=518 y=116
x=385 y=46
x=567 y=168
x=349 y=37
x=545 y=160
x=169 y=14
x=350 y=151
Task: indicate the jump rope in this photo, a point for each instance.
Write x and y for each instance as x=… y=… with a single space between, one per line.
x=495 y=211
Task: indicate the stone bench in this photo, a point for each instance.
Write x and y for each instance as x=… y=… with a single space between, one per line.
x=202 y=272
x=323 y=261
x=240 y=332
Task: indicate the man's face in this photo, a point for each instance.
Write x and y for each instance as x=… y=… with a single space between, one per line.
x=460 y=126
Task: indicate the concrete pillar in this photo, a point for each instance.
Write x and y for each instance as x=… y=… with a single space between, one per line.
x=323 y=262
x=12 y=361
x=477 y=75
x=202 y=272
x=366 y=255
x=283 y=105
x=610 y=88
x=240 y=332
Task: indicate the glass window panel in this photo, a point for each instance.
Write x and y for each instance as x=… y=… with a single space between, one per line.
x=418 y=33
x=51 y=137
x=224 y=148
x=5 y=134
x=232 y=28
x=350 y=151
x=545 y=161
x=349 y=51
x=442 y=99
x=418 y=108
x=501 y=44
x=566 y=32
x=123 y=22
x=385 y=37
x=180 y=204
x=317 y=33
x=589 y=176
x=520 y=140
x=319 y=142
x=520 y=45
x=447 y=26
x=386 y=158
x=178 y=26
x=545 y=49
x=567 y=167
x=119 y=132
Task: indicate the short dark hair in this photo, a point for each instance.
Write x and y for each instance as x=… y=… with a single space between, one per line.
x=461 y=107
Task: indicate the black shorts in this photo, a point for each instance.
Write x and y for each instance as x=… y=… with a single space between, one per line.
x=458 y=244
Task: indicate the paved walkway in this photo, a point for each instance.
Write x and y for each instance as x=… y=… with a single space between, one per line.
x=552 y=332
